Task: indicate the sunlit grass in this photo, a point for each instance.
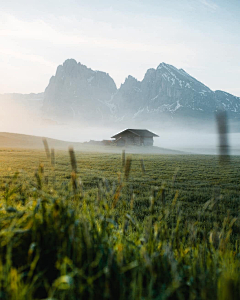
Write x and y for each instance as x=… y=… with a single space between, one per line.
x=95 y=227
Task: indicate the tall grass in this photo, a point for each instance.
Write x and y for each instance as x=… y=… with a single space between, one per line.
x=61 y=242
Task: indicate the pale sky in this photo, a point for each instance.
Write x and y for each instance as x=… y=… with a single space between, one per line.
x=122 y=38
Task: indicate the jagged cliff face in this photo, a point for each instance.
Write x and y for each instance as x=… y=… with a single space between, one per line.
x=168 y=91
x=78 y=93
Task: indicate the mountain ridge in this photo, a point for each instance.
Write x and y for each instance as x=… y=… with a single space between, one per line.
x=75 y=90
x=166 y=95
x=167 y=90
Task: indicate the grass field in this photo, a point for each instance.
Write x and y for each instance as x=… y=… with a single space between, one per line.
x=149 y=227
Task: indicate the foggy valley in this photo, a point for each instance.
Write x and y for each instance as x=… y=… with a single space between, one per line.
x=119 y=150
x=80 y=105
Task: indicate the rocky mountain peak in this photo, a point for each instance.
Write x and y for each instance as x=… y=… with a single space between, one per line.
x=76 y=88
x=79 y=93
x=129 y=82
x=70 y=67
x=167 y=90
x=69 y=62
x=162 y=65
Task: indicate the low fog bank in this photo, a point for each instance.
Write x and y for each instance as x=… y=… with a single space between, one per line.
x=197 y=142
x=15 y=118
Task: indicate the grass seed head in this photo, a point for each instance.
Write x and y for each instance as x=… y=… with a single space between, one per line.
x=73 y=159
x=127 y=167
x=123 y=158
x=52 y=157
x=143 y=166
x=45 y=143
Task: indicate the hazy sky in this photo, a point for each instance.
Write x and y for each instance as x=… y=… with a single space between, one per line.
x=120 y=38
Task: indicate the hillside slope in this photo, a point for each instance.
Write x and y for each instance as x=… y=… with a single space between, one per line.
x=22 y=141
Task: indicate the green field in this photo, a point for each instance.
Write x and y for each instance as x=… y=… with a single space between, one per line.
x=154 y=227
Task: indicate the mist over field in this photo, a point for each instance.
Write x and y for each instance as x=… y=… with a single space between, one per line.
x=16 y=118
x=79 y=108
x=80 y=104
x=119 y=149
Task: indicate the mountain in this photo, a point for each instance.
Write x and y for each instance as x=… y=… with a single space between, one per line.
x=78 y=93
x=20 y=110
x=33 y=102
x=168 y=93
x=22 y=97
x=166 y=96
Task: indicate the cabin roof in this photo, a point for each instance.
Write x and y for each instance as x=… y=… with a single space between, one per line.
x=138 y=132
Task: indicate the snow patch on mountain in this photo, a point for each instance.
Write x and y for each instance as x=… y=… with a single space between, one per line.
x=81 y=93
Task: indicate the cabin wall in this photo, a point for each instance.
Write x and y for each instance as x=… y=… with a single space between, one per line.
x=121 y=143
x=137 y=141
x=130 y=139
x=127 y=138
x=148 y=141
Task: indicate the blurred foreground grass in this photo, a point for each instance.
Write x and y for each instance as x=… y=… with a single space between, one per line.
x=159 y=227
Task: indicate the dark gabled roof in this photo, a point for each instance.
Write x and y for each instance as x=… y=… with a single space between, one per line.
x=138 y=132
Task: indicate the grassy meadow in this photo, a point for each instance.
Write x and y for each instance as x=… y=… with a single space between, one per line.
x=98 y=226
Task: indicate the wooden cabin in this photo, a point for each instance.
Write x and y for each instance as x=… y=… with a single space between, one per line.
x=134 y=137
